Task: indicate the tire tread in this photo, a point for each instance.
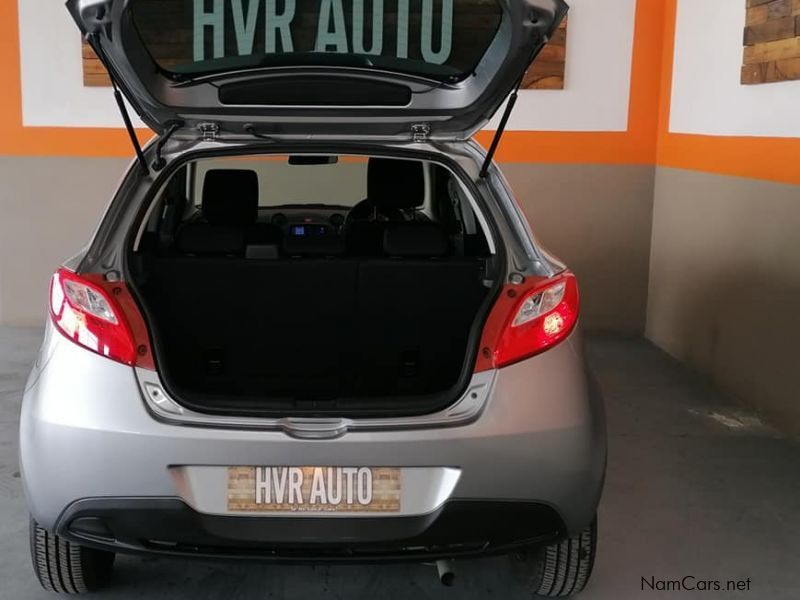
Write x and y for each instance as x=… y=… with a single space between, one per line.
x=64 y=567
x=563 y=569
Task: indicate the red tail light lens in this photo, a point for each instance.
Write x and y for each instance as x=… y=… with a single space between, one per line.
x=529 y=319
x=100 y=316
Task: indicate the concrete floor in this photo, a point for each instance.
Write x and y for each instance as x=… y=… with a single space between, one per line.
x=696 y=486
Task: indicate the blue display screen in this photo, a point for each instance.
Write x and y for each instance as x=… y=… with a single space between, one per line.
x=308 y=230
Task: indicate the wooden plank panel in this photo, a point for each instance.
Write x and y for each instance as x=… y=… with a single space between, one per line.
x=776 y=29
x=548 y=83
x=778 y=9
x=559 y=37
x=777 y=50
x=771 y=72
x=781 y=70
x=96 y=80
x=785 y=70
x=545 y=75
x=94 y=73
x=755 y=73
x=757 y=15
x=548 y=71
x=771 y=42
x=552 y=53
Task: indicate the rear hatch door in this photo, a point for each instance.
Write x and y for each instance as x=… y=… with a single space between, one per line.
x=342 y=68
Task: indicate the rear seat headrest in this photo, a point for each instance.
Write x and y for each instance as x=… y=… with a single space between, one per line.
x=417 y=239
x=393 y=183
x=230 y=197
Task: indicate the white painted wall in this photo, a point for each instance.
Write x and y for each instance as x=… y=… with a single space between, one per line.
x=598 y=75
x=707 y=98
x=52 y=78
x=599 y=58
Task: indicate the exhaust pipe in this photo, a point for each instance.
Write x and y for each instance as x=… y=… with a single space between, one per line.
x=446 y=570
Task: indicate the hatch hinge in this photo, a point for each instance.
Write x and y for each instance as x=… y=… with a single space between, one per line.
x=420 y=132
x=159 y=162
x=209 y=131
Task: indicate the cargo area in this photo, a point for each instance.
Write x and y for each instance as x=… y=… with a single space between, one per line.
x=260 y=304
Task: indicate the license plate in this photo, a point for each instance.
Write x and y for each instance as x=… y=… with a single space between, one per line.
x=314 y=489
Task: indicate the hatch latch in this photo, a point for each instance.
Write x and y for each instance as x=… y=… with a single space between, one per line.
x=420 y=132
x=209 y=131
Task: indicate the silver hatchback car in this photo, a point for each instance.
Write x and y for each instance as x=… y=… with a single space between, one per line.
x=313 y=324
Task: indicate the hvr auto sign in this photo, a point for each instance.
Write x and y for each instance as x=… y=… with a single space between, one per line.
x=332 y=34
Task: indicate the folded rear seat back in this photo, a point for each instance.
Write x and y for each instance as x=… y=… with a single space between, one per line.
x=205 y=239
x=416 y=239
x=314 y=247
x=418 y=305
x=260 y=328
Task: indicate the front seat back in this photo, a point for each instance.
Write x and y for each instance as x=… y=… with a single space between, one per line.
x=229 y=210
x=393 y=187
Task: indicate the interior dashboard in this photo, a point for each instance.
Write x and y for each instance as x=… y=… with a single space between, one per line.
x=306 y=221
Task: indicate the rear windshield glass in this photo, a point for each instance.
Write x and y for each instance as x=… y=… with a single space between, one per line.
x=438 y=39
x=343 y=202
x=339 y=181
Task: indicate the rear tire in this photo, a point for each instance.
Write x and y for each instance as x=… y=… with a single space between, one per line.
x=563 y=569
x=67 y=568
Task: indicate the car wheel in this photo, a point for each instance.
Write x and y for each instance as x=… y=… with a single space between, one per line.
x=67 y=568
x=563 y=569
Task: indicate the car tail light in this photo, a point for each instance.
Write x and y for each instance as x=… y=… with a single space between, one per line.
x=100 y=316
x=528 y=319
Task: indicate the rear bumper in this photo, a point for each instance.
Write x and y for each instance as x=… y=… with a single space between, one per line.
x=86 y=433
x=168 y=526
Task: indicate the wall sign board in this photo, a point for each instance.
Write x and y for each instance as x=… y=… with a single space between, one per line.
x=771 y=41
x=547 y=72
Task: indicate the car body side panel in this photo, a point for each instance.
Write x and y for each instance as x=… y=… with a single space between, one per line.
x=86 y=433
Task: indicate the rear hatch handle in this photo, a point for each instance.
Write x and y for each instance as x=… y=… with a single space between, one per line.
x=313 y=429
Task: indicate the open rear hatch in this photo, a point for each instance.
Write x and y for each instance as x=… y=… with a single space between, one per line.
x=339 y=68
x=261 y=301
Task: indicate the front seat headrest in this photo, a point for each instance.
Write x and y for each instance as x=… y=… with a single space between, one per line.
x=394 y=183
x=230 y=197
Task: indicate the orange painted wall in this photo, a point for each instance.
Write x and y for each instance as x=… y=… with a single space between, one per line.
x=44 y=141
x=636 y=146
x=773 y=159
x=647 y=140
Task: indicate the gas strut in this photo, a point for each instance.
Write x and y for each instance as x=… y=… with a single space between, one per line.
x=507 y=112
x=129 y=126
x=123 y=110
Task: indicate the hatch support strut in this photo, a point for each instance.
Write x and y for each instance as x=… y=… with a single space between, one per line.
x=123 y=110
x=512 y=100
x=129 y=126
